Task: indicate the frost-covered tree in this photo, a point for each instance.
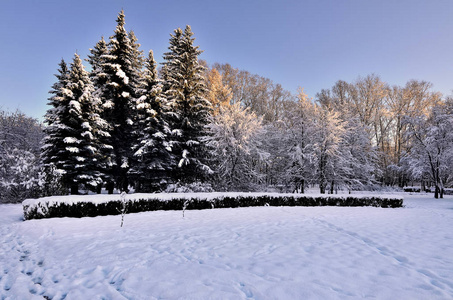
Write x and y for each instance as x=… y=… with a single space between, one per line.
x=234 y=136
x=413 y=100
x=20 y=141
x=330 y=131
x=185 y=90
x=355 y=165
x=431 y=153
x=19 y=175
x=298 y=141
x=152 y=152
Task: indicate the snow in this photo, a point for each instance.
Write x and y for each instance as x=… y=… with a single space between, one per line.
x=120 y=73
x=73 y=149
x=257 y=252
x=86 y=125
x=71 y=140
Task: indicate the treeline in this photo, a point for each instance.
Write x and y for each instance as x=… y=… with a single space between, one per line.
x=359 y=135
x=194 y=127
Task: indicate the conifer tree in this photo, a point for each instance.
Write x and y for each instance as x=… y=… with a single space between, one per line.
x=98 y=76
x=121 y=68
x=185 y=91
x=97 y=59
x=152 y=158
x=53 y=145
x=137 y=54
x=72 y=144
x=51 y=115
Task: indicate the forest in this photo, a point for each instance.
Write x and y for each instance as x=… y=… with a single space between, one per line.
x=124 y=123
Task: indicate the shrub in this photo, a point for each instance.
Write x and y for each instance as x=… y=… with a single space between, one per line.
x=83 y=207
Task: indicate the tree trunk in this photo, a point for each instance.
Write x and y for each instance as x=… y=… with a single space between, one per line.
x=322 y=187
x=110 y=186
x=74 y=189
x=99 y=188
x=322 y=177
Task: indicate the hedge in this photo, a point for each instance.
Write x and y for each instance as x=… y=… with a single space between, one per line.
x=51 y=208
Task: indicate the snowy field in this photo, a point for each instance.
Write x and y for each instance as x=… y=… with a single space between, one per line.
x=242 y=253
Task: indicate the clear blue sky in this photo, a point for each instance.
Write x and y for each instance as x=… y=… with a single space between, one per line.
x=296 y=43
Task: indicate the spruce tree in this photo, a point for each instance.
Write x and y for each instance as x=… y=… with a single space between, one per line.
x=52 y=151
x=51 y=115
x=137 y=54
x=185 y=91
x=98 y=76
x=121 y=68
x=152 y=157
x=97 y=59
x=72 y=138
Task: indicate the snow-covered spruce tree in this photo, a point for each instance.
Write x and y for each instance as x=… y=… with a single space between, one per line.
x=98 y=76
x=53 y=114
x=185 y=90
x=121 y=66
x=71 y=143
x=97 y=59
x=52 y=151
x=234 y=134
x=152 y=159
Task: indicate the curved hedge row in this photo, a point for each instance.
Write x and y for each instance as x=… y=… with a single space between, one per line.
x=51 y=209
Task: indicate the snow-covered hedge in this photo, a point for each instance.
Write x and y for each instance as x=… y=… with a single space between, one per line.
x=101 y=205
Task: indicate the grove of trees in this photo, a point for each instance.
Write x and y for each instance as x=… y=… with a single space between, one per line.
x=127 y=124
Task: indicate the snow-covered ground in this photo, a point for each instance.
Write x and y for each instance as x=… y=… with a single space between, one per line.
x=256 y=253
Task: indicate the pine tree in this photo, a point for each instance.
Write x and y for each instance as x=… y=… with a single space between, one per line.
x=185 y=91
x=152 y=157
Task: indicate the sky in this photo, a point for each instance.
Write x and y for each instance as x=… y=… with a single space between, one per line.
x=310 y=44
